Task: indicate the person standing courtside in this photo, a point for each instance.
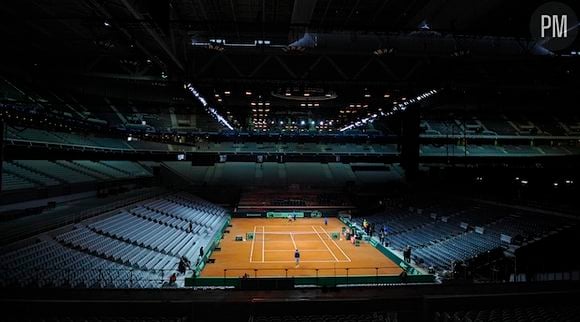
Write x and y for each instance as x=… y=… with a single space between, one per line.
x=407 y=254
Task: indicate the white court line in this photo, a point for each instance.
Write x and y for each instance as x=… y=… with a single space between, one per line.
x=301 y=261
x=342 y=251
x=289 y=226
x=293 y=242
x=252 y=249
x=292 y=250
x=322 y=240
x=290 y=231
x=263 y=243
x=278 y=241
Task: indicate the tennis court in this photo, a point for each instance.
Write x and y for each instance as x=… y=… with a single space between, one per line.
x=268 y=248
x=276 y=244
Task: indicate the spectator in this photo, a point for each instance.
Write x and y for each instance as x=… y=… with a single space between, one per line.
x=190 y=229
x=407 y=254
x=172 y=279
x=181 y=267
x=325 y=221
x=201 y=252
x=186 y=261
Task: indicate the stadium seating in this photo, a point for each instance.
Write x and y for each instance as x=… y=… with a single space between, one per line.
x=39 y=135
x=127 y=167
x=363 y=317
x=14 y=182
x=445 y=127
x=147 y=145
x=68 y=317
x=100 y=168
x=439 y=236
x=49 y=264
x=30 y=174
x=138 y=247
x=500 y=127
x=26 y=174
x=36 y=135
x=56 y=170
x=530 y=313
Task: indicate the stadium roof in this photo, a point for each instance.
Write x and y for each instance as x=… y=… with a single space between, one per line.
x=317 y=61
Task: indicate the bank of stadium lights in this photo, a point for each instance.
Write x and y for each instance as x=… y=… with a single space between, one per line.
x=212 y=111
x=384 y=51
x=567 y=182
x=461 y=53
x=366 y=93
x=424 y=25
x=106 y=23
x=397 y=108
x=293 y=49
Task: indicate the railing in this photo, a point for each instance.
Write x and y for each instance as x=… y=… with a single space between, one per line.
x=372 y=275
x=310 y=272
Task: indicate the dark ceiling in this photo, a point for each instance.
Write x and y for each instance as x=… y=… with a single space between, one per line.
x=370 y=53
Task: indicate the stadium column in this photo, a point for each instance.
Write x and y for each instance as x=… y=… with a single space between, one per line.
x=2 y=134
x=410 y=125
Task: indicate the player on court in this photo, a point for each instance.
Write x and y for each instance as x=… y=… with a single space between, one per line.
x=297 y=257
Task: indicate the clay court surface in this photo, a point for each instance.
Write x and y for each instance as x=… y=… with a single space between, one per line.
x=271 y=252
